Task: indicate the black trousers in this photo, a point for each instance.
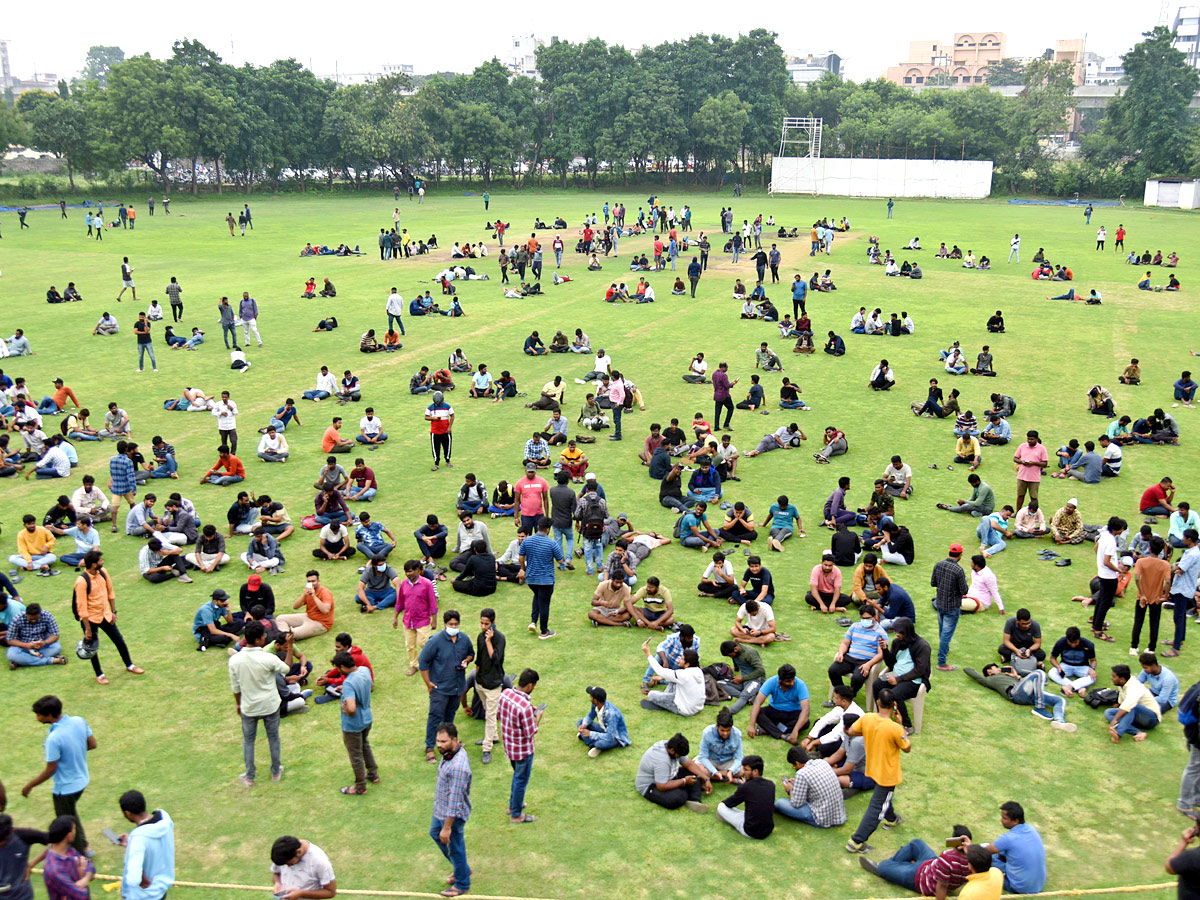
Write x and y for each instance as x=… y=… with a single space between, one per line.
x=178 y=567
x=114 y=634
x=64 y=805
x=839 y=670
x=718 y=405
x=1139 y=617
x=676 y=797
x=1104 y=602
x=442 y=445
x=723 y=591
x=540 y=614
x=777 y=722
x=1007 y=655
x=468 y=586
x=903 y=690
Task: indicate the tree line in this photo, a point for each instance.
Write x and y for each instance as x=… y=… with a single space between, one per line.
x=697 y=111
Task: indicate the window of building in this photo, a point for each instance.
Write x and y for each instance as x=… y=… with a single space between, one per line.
x=979 y=79
x=907 y=79
x=920 y=80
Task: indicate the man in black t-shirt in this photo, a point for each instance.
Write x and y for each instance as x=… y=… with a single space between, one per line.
x=1186 y=864
x=846 y=546
x=478 y=576
x=757 y=821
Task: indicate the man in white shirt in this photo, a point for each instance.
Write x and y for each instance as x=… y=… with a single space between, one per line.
x=1108 y=570
x=225 y=411
x=300 y=868
x=326 y=386
x=1111 y=467
x=273 y=446
x=395 y=306
x=53 y=464
x=481 y=382
x=601 y=365
x=370 y=430
x=684 y=694
x=755 y=624
x=697 y=370
x=106 y=325
x=899 y=478
x=91 y=501
x=1015 y=245
x=825 y=737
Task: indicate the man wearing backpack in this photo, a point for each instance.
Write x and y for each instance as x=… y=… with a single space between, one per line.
x=95 y=608
x=591 y=514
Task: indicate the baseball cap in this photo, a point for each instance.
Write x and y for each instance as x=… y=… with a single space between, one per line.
x=598 y=693
x=956 y=548
x=254 y=582
x=530 y=467
x=621 y=516
x=219 y=594
x=58 y=381
x=828 y=554
x=590 y=476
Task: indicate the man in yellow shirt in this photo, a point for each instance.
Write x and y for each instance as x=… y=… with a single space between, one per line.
x=984 y=882
x=575 y=461
x=884 y=738
x=34 y=546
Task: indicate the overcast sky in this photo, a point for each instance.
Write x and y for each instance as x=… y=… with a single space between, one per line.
x=362 y=38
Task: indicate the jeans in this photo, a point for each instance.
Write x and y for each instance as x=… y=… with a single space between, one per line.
x=1180 y=609
x=947 y=622
x=399 y=323
x=228 y=331
x=901 y=867
x=1184 y=394
x=47 y=407
x=617 y=412
x=1154 y=610
x=593 y=554
x=802 y=813
x=990 y=537
x=1076 y=677
x=557 y=259
x=165 y=469
x=384 y=599
x=1141 y=719
x=315 y=395
x=522 y=769
x=1031 y=691
x=23 y=657
x=250 y=732
x=379 y=439
x=364 y=497
x=43 y=559
x=879 y=810
x=455 y=851
x=565 y=534
x=442 y=708
x=225 y=479
x=1189 y=784
x=143 y=349
x=47 y=472
x=599 y=739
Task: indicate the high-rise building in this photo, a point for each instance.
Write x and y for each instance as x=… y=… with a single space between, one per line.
x=1187 y=33
x=965 y=60
x=804 y=68
x=41 y=81
x=521 y=58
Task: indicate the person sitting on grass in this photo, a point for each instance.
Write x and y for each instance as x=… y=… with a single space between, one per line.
x=825 y=587
x=995 y=324
x=788 y=712
x=657 y=611
x=534 y=346
x=1136 y=711
x=684 y=694
x=755 y=624
x=604 y=726
x=659 y=779
x=1073 y=663
x=610 y=602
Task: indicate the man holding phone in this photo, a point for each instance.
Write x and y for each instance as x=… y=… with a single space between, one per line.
x=917 y=867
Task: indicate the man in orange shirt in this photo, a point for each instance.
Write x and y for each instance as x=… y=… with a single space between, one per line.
x=96 y=607
x=57 y=402
x=317 y=617
x=885 y=741
x=234 y=470
x=331 y=442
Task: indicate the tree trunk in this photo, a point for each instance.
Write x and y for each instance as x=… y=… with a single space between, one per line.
x=193 y=175
x=217 y=163
x=71 y=174
x=303 y=183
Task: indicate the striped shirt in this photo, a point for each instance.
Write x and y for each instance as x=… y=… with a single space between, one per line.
x=120 y=470
x=452 y=796
x=864 y=636
x=951 y=867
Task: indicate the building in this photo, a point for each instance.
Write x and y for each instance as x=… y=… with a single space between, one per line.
x=1103 y=69
x=521 y=58
x=1072 y=51
x=345 y=78
x=41 y=81
x=963 y=61
x=1187 y=33
x=805 y=68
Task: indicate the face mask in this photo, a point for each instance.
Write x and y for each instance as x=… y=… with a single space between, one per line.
x=451 y=631
x=381 y=568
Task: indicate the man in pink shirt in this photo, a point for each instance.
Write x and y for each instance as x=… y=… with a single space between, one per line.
x=417 y=599
x=984 y=588
x=533 y=498
x=1030 y=458
x=616 y=395
x=825 y=586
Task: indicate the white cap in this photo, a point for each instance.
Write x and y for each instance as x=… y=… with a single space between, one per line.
x=1073 y=502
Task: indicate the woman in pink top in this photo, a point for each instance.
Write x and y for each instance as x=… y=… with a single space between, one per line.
x=1031 y=458
x=984 y=587
x=418 y=601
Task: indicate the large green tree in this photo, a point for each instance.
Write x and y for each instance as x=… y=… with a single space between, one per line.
x=60 y=126
x=100 y=61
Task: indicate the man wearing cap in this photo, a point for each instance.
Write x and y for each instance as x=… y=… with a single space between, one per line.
x=57 y=402
x=1066 y=526
x=254 y=593
x=213 y=625
x=951 y=584
x=440 y=416
x=604 y=727
x=533 y=498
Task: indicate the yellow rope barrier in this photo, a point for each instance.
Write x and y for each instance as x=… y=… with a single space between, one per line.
x=115 y=883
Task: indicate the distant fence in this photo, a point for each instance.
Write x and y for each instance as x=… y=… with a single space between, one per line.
x=950 y=178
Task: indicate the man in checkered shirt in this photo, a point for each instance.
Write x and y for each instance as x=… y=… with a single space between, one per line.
x=670 y=652
x=452 y=807
x=814 y=795
x=951 y=584
x=518 y=724
x=33 y=639
x=122 y=481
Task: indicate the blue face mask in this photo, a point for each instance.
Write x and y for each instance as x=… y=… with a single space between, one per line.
x=451 y=631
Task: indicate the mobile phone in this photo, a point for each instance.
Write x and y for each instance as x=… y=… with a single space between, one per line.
x=112 y=836
x=954 y=841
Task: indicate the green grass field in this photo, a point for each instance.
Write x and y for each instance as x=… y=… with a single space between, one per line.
x=173 y=733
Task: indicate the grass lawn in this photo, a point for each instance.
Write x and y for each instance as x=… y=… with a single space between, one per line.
x=173 y=733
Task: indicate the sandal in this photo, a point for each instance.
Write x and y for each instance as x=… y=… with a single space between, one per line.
x=1101 y=636
x=100 y=679
x=352 y=790
x=430 y=756
x=452 y=892
x=525 y=819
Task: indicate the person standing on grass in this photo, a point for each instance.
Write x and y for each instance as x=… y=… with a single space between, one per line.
x=416 y=598
x=489 y=677
x=252 y=672
x=141 y=328
x=1183 y=588
x=228 y=330
x=96 y=609
x=126 y=271
x=721 y=395
x=443 y=662
x=885 y=741
x=518 y=724
x=356 y=721
x=1014 y=248
x=1108 y=571
x=175 y=293
x=394 y=308
x=538 y=555
x=67 y=746
x=950 y=582
x=248 y=313
x=440 y=416
x=149 y=870
x=452 y=808
x=1031 y=458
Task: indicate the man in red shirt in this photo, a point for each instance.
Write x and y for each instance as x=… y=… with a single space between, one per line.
x=332 y=680
x=440 y=416
x=915 y=866
x=234 y=470
x=533 y=497
x=1156 y=499
x=518 y=722
x=1120 y=244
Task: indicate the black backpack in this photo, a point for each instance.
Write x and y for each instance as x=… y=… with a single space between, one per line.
x=1100 y=697
x=87 y=589
x=591 y=521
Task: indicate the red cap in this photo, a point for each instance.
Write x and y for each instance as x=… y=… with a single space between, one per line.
x=954 y=548
x=254 y=582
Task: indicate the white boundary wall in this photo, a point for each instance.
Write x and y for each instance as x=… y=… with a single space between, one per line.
x=1175 y=194
x=952 y=178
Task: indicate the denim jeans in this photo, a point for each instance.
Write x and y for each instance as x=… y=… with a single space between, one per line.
x=335 y=516
x=568 y=535
x=47 y=407
x=947 y=622
x=522 y=769
x=901 y=868
x=593 y=554
x=617 y=412
x=399 y=323
x=143 y=349
x=315 y=395
x=442 y=708
x=599 y=739
x=384 y=599
x=165 y=470
x=455 y=852
x=1031 y=691
x=250 y=732
x=802 y=813
x=990 y=537
x=1075 y=676
x=1141 y=719
x=23 y=657
x=225 y=479
x=364 y=497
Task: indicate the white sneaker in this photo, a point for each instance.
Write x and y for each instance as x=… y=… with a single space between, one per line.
x=594 y=752
x=533 y=629
x=1064 y=726
x=1134 y=651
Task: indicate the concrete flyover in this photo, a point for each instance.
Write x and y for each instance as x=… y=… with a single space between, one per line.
x=1088 y=96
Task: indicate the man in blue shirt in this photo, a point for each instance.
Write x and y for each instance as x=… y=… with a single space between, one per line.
x=721 y=748
x=442 y=663
x=788 y=712
x=705 y=483
x=998 y=431
x=694 y=274
x=835 y=346
x=1183 y=588
x=1162 y=682
x=861 y=648
x=356 y=721
x=893 y=603
x=538 y=555
x=67 y=746
x=1019 y=853
x=799 y=292
x=694 y=530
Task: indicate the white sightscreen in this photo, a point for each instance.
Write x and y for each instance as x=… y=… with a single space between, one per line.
x=952 y=178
